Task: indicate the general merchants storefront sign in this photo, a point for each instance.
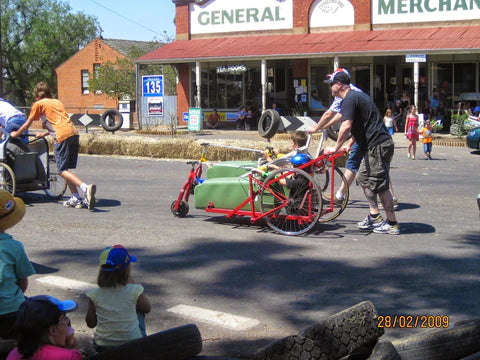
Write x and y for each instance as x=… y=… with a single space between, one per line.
x=222 y=16
x=414 y=11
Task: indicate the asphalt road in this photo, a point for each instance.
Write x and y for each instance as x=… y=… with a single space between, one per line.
x=284 y=283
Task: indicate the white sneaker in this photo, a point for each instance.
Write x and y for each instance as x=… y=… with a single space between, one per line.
x=73 y=203
x=386 y=228
x=370 y=223
x=90 y=196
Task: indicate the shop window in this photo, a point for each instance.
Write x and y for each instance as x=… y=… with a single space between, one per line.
x=85 y=77
x=317 y=76
x=464 y=79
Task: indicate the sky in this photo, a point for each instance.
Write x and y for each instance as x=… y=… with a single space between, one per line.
x=141 y=20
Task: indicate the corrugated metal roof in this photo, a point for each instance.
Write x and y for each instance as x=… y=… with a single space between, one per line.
x=125 y=47
x=375 y=42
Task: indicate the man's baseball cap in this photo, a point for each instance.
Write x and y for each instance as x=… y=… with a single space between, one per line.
x=115 y=258
x=340 y=75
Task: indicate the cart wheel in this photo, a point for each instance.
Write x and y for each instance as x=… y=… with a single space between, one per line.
x=56 y=184
x=331 y=208
x=7 y=179
x=182 y=209
x=294 y=210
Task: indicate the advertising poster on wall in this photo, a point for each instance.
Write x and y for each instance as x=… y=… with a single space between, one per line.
x=155 y=106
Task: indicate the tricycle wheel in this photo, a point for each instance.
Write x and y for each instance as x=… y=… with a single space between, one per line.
x=56 y=184
x=7 y=179
x=182 y=210
x=291 y=210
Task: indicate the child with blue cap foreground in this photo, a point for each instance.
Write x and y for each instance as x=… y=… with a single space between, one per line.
x=43 y=330
x=117 y=307
x=15 y=267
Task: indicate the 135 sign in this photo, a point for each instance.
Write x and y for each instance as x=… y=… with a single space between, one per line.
x=152 y=85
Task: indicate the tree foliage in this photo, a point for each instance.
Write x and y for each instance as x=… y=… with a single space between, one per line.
x=37 y=37
x=117 y=79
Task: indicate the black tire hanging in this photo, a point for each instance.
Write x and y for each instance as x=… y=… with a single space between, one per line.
x=111 y=120
x=268 y=124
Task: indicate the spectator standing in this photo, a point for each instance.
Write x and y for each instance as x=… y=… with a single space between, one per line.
x=15 y=268
x=427 y=139
x=66 y=143
x=397 y=113
x=390 y=124
x=44 y=331
x=118 y=306
x=411 y=132
x=362 y=118
x=241 y=118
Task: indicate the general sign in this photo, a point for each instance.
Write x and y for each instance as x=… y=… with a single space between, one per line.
x=247 y=15
x=152 y=85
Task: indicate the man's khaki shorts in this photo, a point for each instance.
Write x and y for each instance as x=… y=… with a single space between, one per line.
x=375 y=168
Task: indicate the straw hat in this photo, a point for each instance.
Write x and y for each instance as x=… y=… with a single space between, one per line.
x=12 y=210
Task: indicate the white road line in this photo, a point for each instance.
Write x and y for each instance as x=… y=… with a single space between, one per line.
x=229 y=321
x=65 y=283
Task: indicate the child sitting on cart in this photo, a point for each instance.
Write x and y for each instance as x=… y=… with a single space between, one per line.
x=299 y=140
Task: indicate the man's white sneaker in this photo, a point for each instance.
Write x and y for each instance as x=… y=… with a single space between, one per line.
x=91 y=196
x=370 y=223
x=386 y=228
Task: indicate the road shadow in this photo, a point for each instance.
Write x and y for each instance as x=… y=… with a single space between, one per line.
x=44 y=269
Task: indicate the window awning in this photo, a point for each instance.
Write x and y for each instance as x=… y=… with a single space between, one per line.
x=438 y=40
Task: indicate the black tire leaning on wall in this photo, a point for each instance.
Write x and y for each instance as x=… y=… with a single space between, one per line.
x=268 y=123
x=111 y=120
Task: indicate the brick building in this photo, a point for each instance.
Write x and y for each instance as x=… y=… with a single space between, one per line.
x=73 y=74
x=232 y=53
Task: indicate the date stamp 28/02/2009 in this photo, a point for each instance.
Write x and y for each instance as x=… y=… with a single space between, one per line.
x=413 y=321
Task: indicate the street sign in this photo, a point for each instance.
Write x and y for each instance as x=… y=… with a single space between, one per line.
x=152 y=85
x=85 y=120
x=415 y=58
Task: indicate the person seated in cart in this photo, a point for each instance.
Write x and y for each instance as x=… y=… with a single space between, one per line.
x=299 y=140
x=11 y=119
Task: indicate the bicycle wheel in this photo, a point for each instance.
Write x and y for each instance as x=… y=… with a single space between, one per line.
x=332 y=208
x=56 y=185
x=292 y=209
x=7 y=179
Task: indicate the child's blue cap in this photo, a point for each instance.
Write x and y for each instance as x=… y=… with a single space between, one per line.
x=115 y=258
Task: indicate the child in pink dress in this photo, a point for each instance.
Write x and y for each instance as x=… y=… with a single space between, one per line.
x=411 y=131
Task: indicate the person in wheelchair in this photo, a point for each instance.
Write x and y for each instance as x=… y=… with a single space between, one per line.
x=66 y=143
x=11 y=119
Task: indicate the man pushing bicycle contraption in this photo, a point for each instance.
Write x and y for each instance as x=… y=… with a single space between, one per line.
x=361 y=117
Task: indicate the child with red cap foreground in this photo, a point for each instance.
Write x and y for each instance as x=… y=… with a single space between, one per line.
x=43 y=330
x=118 y=306
x=15 y=268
